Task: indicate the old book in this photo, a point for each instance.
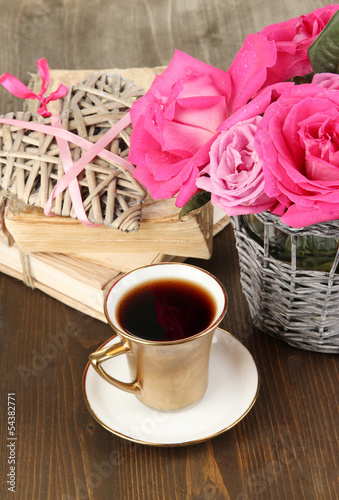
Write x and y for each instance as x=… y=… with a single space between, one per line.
x=67 y=279
x=160 y=231
x=126 y=261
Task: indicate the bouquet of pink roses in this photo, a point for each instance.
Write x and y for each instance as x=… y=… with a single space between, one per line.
x=263 y=135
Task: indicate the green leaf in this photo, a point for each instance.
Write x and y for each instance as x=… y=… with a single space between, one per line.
x=197 y=201
x=298 y=80
x=324 y=51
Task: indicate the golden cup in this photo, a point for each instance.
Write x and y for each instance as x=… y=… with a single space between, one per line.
x=166 y=374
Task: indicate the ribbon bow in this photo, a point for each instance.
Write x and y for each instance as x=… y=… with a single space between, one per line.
x=19 y=89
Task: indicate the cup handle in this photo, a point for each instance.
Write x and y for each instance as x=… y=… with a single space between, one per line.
x=102 y=355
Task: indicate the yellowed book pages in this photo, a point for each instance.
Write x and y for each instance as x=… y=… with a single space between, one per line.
x=127 y=261
x=160 y=231
x=65 y=278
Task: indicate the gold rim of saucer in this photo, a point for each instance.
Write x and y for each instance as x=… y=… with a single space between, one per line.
x=176 y=444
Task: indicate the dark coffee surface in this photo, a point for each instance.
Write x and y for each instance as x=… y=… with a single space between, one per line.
x=166 y=309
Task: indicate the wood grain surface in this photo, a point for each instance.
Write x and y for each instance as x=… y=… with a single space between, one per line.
x=287 y=446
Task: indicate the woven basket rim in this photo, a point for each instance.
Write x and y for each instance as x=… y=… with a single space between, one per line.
x=328 y=229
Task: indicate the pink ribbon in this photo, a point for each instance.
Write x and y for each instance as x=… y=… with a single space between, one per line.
x=74 y=189
x=19 y=89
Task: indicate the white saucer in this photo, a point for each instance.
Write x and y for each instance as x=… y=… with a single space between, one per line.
x=232 y=390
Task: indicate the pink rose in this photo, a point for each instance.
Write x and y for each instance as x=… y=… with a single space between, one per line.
x=292 y=40
x=298 y=143
x=176 y=121
x=174 y=124
x=326 y=80
x=235 y=177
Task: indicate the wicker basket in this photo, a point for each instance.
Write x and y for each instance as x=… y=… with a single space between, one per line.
x=298 y=306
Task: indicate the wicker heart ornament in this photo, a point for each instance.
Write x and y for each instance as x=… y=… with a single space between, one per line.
x=31 y=165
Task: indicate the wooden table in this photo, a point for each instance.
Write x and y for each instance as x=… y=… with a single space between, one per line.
x=287 y=446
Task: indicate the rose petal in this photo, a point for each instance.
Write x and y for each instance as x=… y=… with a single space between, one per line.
x=204 y=112
x=295 y=217
x=249 y=69
x=183 y=65
x=256 y=106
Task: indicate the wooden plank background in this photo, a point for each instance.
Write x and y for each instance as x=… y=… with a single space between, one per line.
x=99 y=34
